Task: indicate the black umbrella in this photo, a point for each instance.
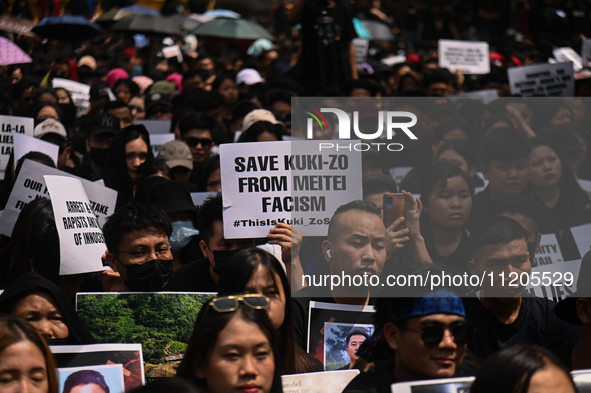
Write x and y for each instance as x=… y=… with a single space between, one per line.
x=67 y=28
x=147 y=24
x=109 y=18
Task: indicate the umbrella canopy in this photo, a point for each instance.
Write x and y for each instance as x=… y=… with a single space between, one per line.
x=183 y=22
x=221 y=13
x=147 y=24
x=108 y=18
x=17 y=25
x=67 y=28
x=379 y=31
x=10 y=53
x=140 y=9
x=241 y=29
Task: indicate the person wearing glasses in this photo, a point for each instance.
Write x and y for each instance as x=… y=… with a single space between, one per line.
x=415 y=339
x=138 y=249
x=233 y=347
x=503 y=314
x=197 y=132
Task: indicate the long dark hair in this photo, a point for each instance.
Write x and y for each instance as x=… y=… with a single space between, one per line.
x=205 y=336
x=244 y=264
x=511 y=369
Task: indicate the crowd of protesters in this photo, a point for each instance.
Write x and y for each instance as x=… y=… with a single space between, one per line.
x=530 y=154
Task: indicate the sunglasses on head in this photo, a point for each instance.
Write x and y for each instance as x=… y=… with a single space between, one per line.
x=231 y=303
x=193 y=142
x=433 y=335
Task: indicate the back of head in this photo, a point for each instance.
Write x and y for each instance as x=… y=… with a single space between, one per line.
x=14 y=331
x=378 y=184
x=137 y=217
x=503 y=145
x=210 y=211
x=511 y=369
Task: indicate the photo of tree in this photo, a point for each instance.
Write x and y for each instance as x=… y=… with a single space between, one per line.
x=162 y=322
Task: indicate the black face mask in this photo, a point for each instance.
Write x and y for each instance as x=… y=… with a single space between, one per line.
x=150 y=276
x=221 y=261
x=98 y=155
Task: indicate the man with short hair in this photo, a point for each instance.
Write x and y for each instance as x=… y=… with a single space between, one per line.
x=197 y=131
x=504 y=158
x=138 y=249
x=501 y=314
x=416 y=338
x=354 y=340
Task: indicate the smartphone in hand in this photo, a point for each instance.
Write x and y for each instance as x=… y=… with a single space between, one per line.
x=394 y=208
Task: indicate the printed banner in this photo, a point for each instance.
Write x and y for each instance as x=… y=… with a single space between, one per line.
x=468 y=56
x=553 y=80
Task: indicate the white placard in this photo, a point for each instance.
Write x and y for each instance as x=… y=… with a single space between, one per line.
x=553 y=80
x=468 y=56
x=200 y=197
x=321 y=382
x=30 y=185
x=81 y=239
x=79 y=92
x=172 y=51
x=157 y=140
x=585 y=185
x=549 y=251
x=552 y=284
x=10 y=126
x=293 y=182
x=361 y=46
x=563 y=55
x=399 y=173
x=485 y=96
x=586 y=51
x=155 y=126
x=582 y=236
x=24 y=144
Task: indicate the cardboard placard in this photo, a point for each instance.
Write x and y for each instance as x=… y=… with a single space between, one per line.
x=549 y=251
x=111 y=375
x=157 y=140
x=79 y=92
x=9 y=127
x=30 y=185
x=582 y=236
x=553 y=285
x=24 y=144
x=320 y=313
x=320 y=382
x=129 y=356
x=468 y=56
x=292 y=182
x=81 y=239
x=553 y=80
x=155 y=126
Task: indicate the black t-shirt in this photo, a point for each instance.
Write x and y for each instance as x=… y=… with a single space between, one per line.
x=373 y=381
x=192 y=277
x=300 y=306
x=457 y=260
x=535 y=324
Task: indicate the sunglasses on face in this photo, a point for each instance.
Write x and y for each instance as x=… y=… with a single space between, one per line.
x=231 y=303
x=433 y=335
x=193 y=142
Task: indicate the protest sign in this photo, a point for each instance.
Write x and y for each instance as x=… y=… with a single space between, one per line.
x=157 y=140
x=543 y=79
x=582 y=236
x=555 y=281
x=445 y=385
x=585 y=185
x=24 y=144
x=155 y=126
x=563 y=55
x=79 y=92
x=337 y=351
x=129 y=356
x=128 y=317
x=30 y=185
x=399 y=173
x=293 y=182
x=485 y=96
x=586 y=51
x=200 y=197
x=9 y=127
x=468 y=56
x=361 y=46
x=320 y=382
x=320 y=313
x=549 y=251
x=81 y=239
x=111 y=374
